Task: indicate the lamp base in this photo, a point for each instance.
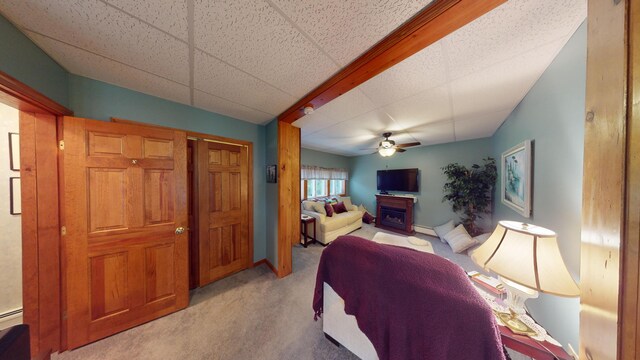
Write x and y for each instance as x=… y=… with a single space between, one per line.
x=517 y=295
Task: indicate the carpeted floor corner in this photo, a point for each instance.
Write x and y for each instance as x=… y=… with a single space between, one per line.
x=249 y=315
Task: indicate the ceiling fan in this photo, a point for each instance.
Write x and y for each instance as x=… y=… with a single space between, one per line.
x=388 y=147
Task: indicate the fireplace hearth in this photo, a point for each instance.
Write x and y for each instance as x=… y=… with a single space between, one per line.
x=395 y=213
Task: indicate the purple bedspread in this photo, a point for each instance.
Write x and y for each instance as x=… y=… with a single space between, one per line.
x=410 y=304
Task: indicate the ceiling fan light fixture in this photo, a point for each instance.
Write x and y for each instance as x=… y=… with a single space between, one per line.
x=383 y=151
x=387 y=144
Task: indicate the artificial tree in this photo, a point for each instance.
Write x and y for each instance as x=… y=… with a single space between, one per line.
x=469 y=190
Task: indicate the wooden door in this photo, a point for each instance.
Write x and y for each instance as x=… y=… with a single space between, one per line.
x=223 y=195
x=125 y=196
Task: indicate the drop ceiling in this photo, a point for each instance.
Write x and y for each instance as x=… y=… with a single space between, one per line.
x=252 y=59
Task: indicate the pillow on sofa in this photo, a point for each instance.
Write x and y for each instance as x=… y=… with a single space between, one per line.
x=318 y=207
x=442 y=230
x=328 y=209
x=339 y=208
x=307 y=205
x=347 y=202
x=482 y=238
x=459 y=239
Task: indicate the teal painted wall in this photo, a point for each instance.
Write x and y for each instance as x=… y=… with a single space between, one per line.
x=323 y=159
x=101 y=101
x=23 y=60
x=429 y=210
x=551 y=115
x=271 y=196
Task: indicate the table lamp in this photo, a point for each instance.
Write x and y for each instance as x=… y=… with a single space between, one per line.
x=527 y=259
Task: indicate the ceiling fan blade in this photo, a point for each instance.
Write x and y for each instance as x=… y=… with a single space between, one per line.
x=400 y=150
x=408 y=145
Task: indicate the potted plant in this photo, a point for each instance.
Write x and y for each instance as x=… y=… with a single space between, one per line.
x=469 y=190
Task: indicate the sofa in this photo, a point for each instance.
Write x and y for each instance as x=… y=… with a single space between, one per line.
x=328 y=228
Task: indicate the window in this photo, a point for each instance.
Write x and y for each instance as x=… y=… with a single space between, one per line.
x=318 y=181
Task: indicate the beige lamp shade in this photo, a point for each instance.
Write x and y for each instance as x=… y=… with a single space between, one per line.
x=527 y=255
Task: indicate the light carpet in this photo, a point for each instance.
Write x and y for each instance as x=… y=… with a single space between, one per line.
x=249 y=315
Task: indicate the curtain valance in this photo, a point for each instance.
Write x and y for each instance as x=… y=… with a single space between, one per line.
x=308 y=172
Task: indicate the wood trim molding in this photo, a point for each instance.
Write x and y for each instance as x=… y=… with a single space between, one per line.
x=629 y=313
x=21 y=96
x=603 y=184
x=268 y=263
x=430 y=25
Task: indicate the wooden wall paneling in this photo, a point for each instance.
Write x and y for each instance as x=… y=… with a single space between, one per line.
x=30 y=280
x=288 y=194
x=603 y=179
x=430 y=25
x=629 y=344
x=40 y=228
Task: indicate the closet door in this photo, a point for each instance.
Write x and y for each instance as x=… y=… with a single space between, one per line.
x=125 y=252
x=223 y=195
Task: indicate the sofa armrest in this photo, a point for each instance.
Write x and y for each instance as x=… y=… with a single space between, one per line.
x=320 y=218
x=353 y=208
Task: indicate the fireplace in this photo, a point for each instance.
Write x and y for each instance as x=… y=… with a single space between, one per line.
x=395 y=213
x=391 y=217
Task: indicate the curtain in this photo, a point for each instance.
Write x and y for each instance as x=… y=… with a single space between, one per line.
x=308 y=172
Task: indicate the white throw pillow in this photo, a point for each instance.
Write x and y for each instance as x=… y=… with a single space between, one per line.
x=319 y=207
x=307 y=205
x=459 y=239
x=444 y=229
x=347 y=202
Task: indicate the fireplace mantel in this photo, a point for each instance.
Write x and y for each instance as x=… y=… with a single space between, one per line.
x=395 y=213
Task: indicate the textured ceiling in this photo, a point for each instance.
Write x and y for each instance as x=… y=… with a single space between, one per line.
x=252 y=59
x=462 y=87
x=248 y=59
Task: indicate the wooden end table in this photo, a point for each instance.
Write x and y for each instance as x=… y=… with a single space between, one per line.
x=305 y=220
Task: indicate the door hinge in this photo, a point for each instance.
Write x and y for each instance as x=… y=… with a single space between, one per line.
x=61 y=144
x=63 y=230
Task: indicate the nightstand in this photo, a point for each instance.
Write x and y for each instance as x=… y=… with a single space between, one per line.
x=539 y=350
x=305 y=220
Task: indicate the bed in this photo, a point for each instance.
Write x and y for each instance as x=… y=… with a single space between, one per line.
x=347 y=323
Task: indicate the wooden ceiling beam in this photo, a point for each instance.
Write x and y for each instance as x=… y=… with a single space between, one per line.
x=430 y=25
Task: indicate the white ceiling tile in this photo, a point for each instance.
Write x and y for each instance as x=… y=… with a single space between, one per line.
x=348 y=106
x=217 y=78
x=503 y=85
x=422 y=71
x=434 y=133
x=254 y=37
x=511 y=29
x=479 y=126
x=430 y=106
x=228 y=108
x=94 y=26
x=346 y=29
x=315 y=122
x=170 y=16
x=87 y=64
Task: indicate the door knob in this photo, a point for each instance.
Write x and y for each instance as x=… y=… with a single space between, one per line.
x=179 y=230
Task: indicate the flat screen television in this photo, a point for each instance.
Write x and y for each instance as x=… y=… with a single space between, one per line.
x=398 y=180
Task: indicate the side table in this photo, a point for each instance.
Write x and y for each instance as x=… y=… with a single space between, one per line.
x=538 y=350
x=305 y=220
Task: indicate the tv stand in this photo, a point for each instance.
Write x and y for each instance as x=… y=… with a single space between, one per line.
x=395 y=213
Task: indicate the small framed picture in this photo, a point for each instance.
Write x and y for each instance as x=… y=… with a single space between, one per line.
x=272 y=174
x=516 y=178
x=14 y=151
x=15 y=199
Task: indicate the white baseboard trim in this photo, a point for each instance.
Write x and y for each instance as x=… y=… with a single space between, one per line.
x=10 y=318
x=424 y=230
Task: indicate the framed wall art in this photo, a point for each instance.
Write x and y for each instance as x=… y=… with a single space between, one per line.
x=272 y=174
x=15 y=199
x=516 y=178
x=14 y=151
